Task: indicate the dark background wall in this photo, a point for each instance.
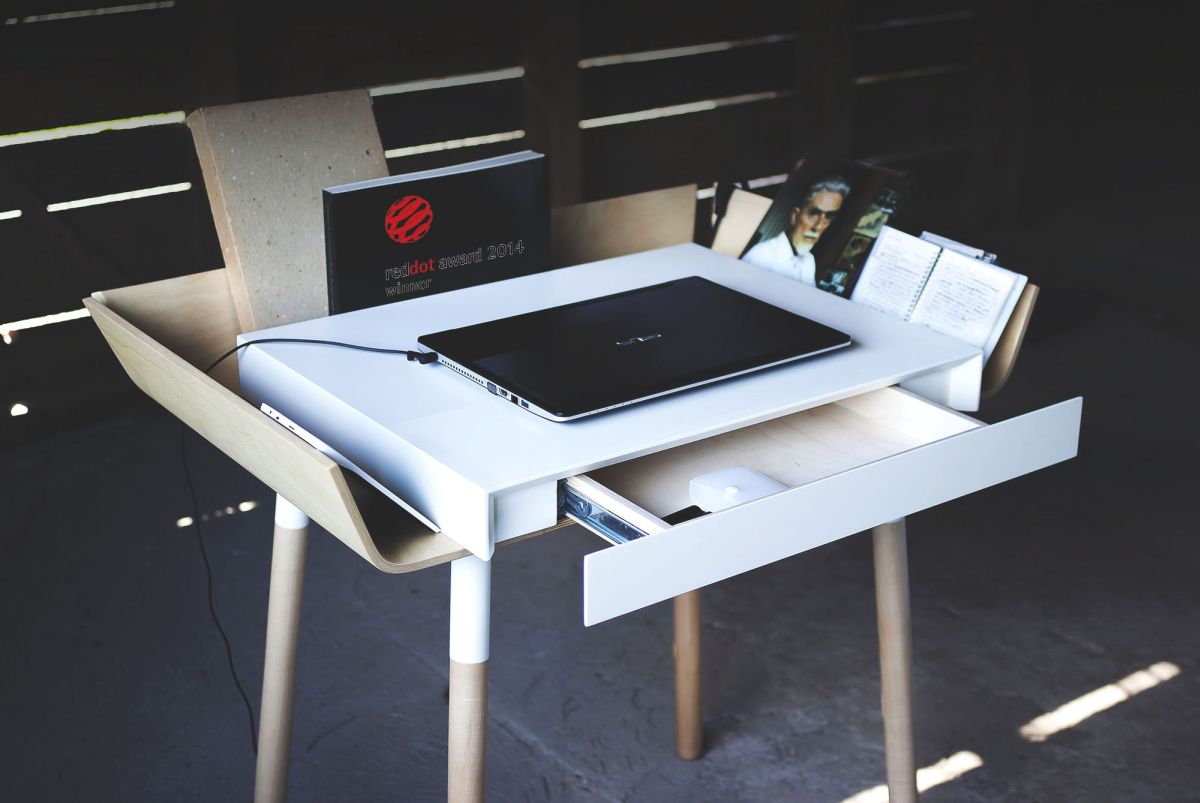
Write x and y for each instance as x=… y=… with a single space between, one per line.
x=1005 y=112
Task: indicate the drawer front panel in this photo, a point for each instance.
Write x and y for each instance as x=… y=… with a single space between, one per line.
x=625 y=578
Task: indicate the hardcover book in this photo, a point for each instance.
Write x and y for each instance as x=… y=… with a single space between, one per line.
x=401 y=237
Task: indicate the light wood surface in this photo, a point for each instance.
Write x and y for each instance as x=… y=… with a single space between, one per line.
x=358 y=515
x=265 y=164
x=689 y=708
x=1004 y=357
x=794 y=450
x=279 y=667
x=895 y=659
x=617 y=226
x=742 y=216
x=192 y=316
x=467 y=749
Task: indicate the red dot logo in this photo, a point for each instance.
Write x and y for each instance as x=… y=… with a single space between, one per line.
x=408 y=219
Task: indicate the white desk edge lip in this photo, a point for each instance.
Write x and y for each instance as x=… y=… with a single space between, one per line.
x=486 y=470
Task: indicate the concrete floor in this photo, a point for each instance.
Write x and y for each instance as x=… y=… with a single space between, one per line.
x=114 y=683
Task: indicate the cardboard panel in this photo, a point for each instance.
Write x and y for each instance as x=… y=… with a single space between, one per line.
x=264 y=166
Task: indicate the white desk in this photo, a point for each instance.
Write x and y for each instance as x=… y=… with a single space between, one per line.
x=486 y=471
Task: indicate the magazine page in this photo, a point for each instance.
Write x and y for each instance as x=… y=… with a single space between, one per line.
x=969 y=300
x=813 y=218
x=895 y=272
x=841 y=277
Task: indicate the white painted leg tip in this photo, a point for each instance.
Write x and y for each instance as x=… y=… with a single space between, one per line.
x=288 y=515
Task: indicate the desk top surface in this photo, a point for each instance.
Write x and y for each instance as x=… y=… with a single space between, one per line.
x=497 y=446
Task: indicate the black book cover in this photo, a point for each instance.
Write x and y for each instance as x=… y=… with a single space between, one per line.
x=413 y=235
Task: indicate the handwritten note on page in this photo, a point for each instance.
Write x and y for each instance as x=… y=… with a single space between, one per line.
x=968 y=299
x=895 y=272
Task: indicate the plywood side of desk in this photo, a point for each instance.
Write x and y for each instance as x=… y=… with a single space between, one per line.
x=1004 y=358
x=301 y=474
x=742 y=217
x=596 y=230
x=191 y=316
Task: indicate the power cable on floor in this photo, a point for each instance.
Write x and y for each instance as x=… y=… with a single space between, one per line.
x=422 y=357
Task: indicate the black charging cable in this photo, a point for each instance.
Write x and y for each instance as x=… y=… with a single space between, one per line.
x=422 y=357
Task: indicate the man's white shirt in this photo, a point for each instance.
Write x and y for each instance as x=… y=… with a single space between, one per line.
x=777 y=254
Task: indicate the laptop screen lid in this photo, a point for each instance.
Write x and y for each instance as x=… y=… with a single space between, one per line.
x=583 y=358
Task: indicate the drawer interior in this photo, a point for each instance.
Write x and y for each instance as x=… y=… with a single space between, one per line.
x=845 y=467
x=793 y=450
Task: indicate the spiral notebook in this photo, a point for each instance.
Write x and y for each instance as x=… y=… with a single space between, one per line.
x=951 y=293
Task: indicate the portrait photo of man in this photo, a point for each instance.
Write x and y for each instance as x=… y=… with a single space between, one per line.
x=789 y=251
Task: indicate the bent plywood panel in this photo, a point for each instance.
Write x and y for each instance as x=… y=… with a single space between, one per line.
x=596 y=230
x=744 y=213
x=1004 y=357
x=395 y=542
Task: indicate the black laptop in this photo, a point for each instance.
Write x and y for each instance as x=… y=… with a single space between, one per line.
x=584 y=358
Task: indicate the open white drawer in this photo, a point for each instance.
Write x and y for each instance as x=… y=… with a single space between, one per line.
x=849 y=466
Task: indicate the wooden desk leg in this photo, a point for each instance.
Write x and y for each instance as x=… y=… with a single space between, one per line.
x=470 y=614
x=279 y=669
x=895 y=659
x=689 y=713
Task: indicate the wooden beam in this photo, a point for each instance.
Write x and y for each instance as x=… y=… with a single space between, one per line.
x=823 y=90
x=999 y=113
x=550 y=54
x=207 y=30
